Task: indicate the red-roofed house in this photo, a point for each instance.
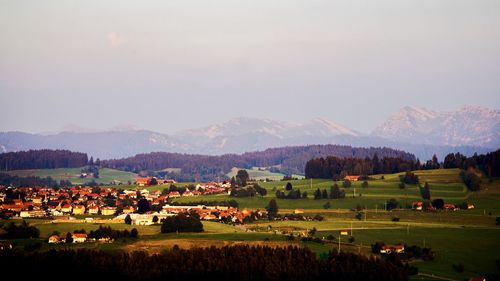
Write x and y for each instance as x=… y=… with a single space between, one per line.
x=352 y=178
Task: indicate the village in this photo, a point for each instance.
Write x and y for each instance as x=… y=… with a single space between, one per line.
x=112 y=205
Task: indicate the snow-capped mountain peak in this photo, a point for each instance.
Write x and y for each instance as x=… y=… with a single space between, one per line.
x=469 y=125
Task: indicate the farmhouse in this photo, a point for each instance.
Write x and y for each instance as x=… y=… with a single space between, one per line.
x=54 y=239
x=143 y=181
x=449 y=207
x=387 y=249
x=352 y=178
x=79 y=237
x=344 y=232
x=417 y=206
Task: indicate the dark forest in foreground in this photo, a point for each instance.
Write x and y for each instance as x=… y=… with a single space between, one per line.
x=227 y=263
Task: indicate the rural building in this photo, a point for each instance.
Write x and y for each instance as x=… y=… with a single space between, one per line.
x=54 y=239
x=128 y=209
x=66 y=208
x=174 y=194
x=387 y=249
x=352 y=178
x=108 y=211
x=79 y=210
x=298 y=211
x=94 y=210
x=5 y=245
x=417 y=206
x=79 y=237
x=143 y=181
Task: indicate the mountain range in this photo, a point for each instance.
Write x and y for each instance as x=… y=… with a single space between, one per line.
x=417 y=130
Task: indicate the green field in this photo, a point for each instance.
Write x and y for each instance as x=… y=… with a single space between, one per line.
x=106 y=175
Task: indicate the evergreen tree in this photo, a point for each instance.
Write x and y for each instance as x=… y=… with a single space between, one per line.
x=128 y=219
x=324 y=194
x=272 y=209
x=317 y=194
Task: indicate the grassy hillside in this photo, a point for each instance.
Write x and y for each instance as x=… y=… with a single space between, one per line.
x=444 y=184
x=258 y=174
x=73 y=174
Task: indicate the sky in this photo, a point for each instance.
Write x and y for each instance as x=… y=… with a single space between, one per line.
x=172 y=65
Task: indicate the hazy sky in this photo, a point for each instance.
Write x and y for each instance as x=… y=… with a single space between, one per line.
x=169 y=65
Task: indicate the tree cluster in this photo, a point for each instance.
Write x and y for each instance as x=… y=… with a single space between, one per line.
x=335 y=193
x=248 y=191
x=182 y=223
x=108 y=232
x=292 y=194
x=19 y=231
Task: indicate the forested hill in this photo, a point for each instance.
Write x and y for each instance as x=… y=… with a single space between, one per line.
x=287 y=160
x=42 y=159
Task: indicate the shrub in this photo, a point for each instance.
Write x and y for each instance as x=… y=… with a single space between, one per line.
x=346 y=183
x=128 y=219
x=459 y=267
x=409 y=178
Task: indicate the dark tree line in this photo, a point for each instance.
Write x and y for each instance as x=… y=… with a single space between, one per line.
x=226 y=263
x=108 y=232
x=291 y=160
x=42 y=159
x=336 y=168
x=488 y=163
